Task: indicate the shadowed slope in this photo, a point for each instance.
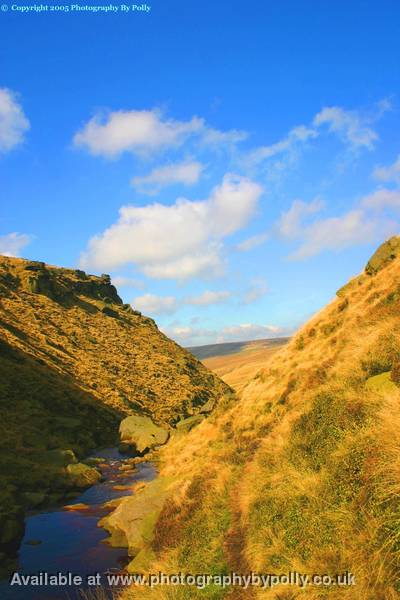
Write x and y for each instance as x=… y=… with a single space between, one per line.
x=74 y=360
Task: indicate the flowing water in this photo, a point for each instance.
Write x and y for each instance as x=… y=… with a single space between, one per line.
x=70 y=540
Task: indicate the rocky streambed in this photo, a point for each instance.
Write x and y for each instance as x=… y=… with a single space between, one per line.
x=68 y=539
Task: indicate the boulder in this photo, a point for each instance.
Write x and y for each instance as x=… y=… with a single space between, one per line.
x=141 y=434
x=208 y=406
x=82 y=476
x=61 y=458
x=383 y=256
x=188 y=424
x=132 y=523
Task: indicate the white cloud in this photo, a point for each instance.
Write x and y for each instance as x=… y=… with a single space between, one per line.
x=197 y=336
x=214 y=137
x=190 y=336
x=248 y=332
x=335 y=233
x=178 y=241
x=13 y=122
x=290 y=223
x=352 y=128
x=205 y=263
x=208 y=297
x=155 y=305
x=355 y=227
x=348 y=125
x=257 y=290
x=252 y=242
x=390 y=173
x=299 y=134
x=382 y=198
x=12 y=243
x=137 y=131
x=143 y=132
x=187 y=173
x=120 y=281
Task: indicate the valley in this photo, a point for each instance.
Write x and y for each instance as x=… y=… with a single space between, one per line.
x=267 y=463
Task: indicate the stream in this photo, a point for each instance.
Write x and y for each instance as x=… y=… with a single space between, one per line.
x=70 y=540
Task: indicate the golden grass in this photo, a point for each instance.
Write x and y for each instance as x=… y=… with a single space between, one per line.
x=237 y=369
x=122 y=360
x=306 y=462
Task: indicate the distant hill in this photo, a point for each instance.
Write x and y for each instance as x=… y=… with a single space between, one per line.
x=223 y=349
x=237 y=362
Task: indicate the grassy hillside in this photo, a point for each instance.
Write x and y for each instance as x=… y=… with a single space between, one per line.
x=303 y=472
x=74 y=360
x=242 y=362
x=77 y=325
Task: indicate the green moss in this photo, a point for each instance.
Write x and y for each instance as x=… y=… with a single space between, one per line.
x=381 y=383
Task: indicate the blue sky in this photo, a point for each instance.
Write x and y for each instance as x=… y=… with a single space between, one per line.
x=229 y=164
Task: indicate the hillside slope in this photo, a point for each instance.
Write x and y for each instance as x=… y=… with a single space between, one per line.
x=302 y=474
x=240 y=365
x=74 y=360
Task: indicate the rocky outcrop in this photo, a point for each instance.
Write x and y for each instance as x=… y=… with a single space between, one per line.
x=383 y=255
x=62 y=284
x=141 y=434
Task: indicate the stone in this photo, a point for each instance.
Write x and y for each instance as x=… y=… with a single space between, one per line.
x=132 y=523
x=188 y=424
x=79 y=506
x=141 y=433
x=82 y=476
x=142 y=561
x=61 y=458
x=208 y=406
x=387 y=252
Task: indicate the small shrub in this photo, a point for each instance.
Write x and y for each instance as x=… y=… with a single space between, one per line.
x=329 y=328
x=291 y=386
x=395 y=373
x=380 y=358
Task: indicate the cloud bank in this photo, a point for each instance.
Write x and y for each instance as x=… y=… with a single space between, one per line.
x=178 y=241
x=13 y=122
x=186 y=173
x=13 y=243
